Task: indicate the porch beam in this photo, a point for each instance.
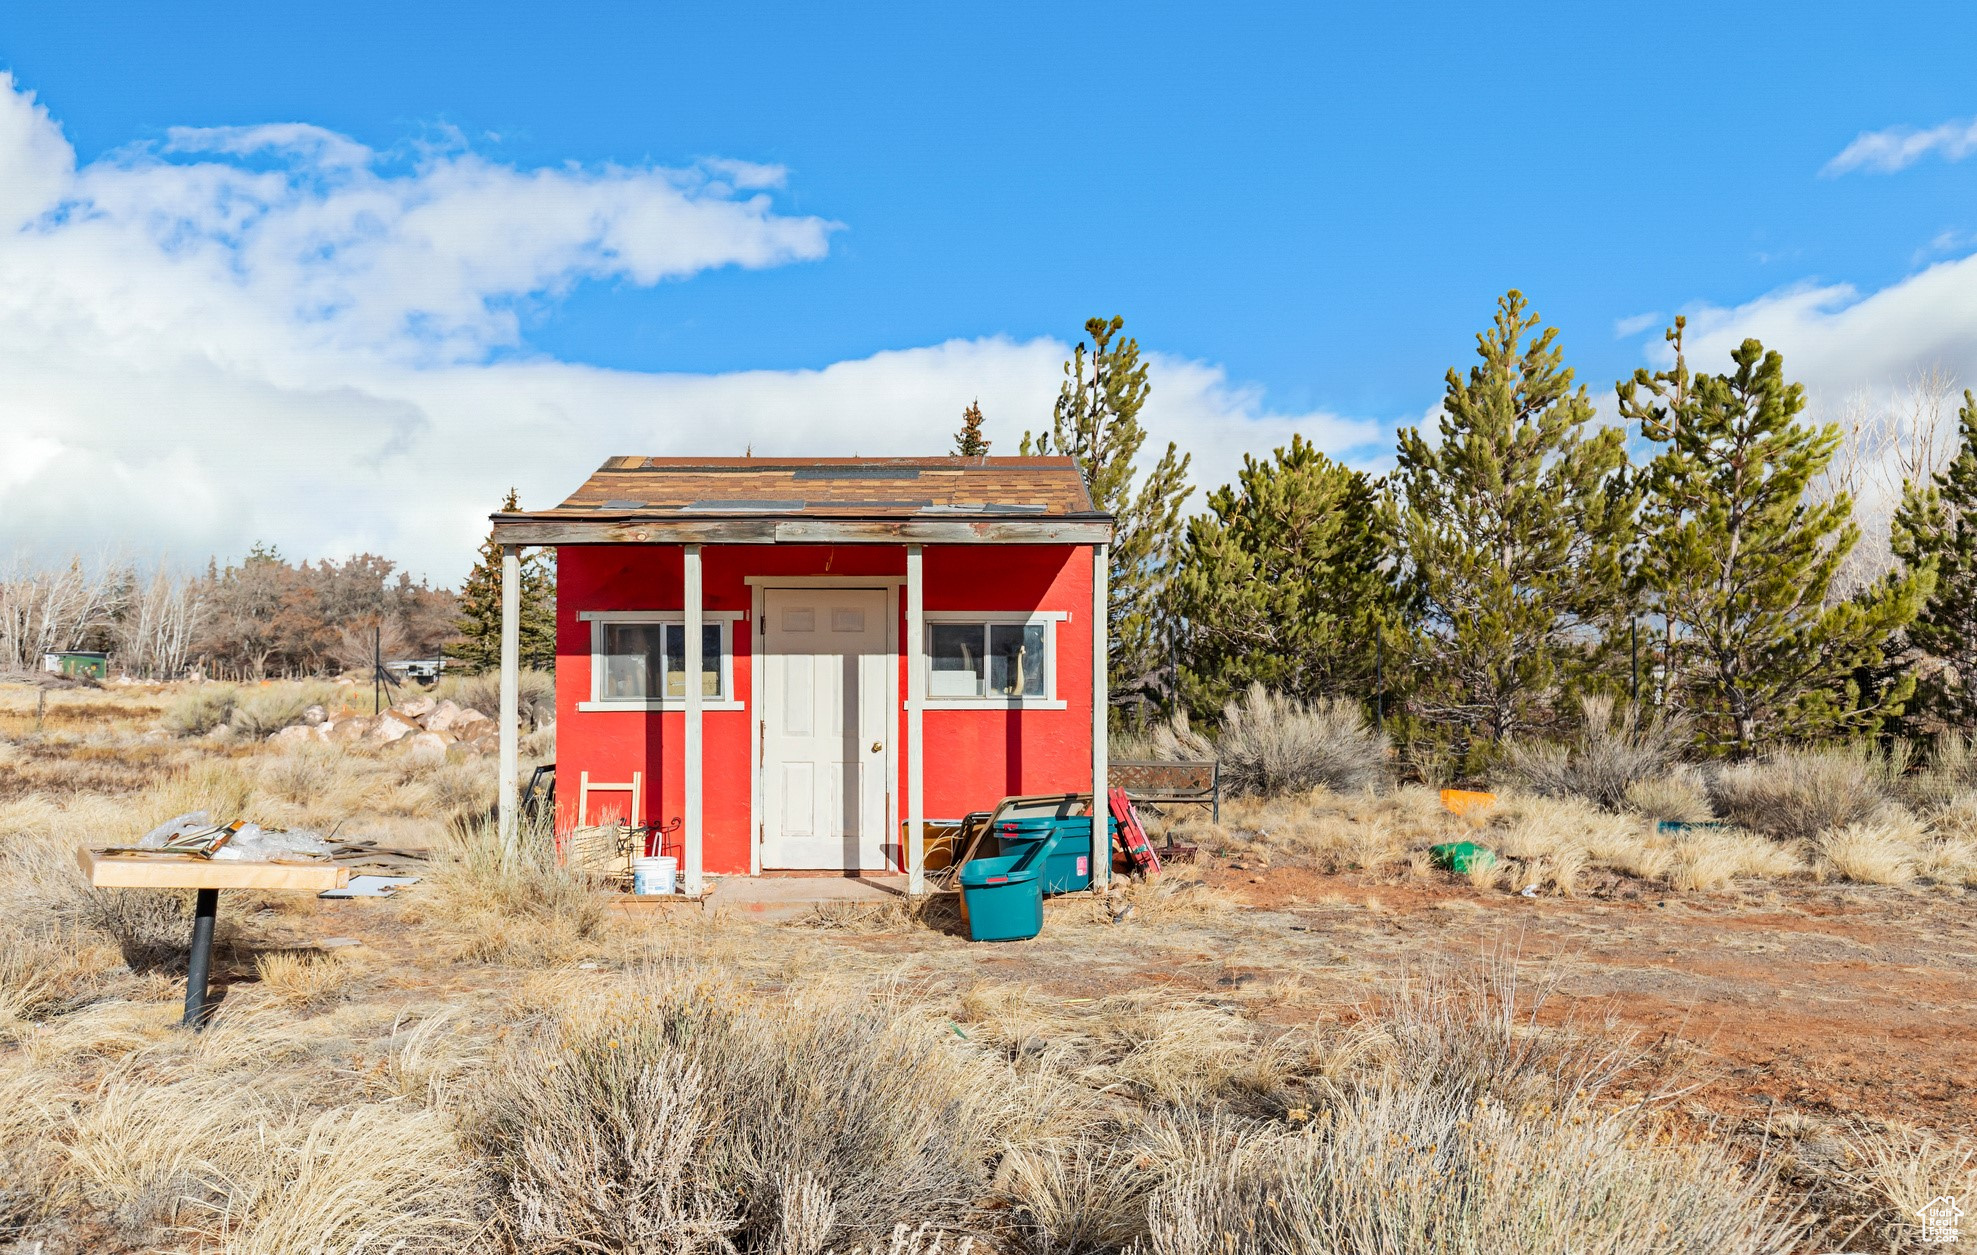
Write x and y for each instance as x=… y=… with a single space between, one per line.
x=586 y=529
x=1101 y=840
x=509 y=774
x=916 y=700
x=691 y=871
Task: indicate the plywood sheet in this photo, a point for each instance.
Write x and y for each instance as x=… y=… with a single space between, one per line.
x=173 y=871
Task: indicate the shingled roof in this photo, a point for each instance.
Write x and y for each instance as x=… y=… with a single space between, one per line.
x=770 y=499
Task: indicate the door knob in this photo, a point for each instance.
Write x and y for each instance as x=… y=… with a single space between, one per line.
x=877 y=746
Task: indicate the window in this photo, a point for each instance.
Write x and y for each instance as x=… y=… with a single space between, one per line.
x=992 y=660
x=638 y=660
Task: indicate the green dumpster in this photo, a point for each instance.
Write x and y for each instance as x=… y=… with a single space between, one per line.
x=1003 y=896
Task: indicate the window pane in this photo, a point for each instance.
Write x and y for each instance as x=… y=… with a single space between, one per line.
x=957 y=660
x=710 y=660
x=631 y=655
x=1016 y=659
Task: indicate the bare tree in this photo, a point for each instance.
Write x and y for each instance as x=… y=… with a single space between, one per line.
x=160 y=620
x=1884 y=444
x=47 y=609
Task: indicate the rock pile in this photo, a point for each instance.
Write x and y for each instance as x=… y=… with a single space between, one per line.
x=418 y=723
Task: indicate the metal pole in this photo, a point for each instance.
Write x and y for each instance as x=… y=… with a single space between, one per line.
x=377 y=666
x=199 y=967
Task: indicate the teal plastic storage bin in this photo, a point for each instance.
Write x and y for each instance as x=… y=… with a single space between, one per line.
x=1003 y=896
x=1066 y=845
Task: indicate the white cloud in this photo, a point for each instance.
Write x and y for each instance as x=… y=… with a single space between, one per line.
x=1899 y=147
x=1634 y=324
x=1840 y=343
x=273 y=333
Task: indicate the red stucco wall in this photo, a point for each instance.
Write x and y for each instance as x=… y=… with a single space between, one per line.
x=974 y=756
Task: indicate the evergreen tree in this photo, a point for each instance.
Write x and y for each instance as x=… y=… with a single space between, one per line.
x=968 y=442
x=1936 y=527
x=1512 y=531
x=1097 y=423
x=479 y=648
x=1740 y=563
x=1285 y=582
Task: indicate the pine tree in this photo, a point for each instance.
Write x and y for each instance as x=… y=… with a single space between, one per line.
x=1740 y=563
x=1285 y=582
x=1936 y=527
x=479 y=648
x=1097 y=424
x=968 y=442
x=1512 y=531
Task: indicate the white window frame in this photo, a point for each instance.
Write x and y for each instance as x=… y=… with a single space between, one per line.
x=723 y=619
x=1046 y=619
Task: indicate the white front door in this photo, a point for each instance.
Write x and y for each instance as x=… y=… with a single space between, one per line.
x=825 y=663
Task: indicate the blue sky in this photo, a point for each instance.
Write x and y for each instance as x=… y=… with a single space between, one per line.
x=1318 y=202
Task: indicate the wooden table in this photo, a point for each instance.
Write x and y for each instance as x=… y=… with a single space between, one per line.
x=207 y=877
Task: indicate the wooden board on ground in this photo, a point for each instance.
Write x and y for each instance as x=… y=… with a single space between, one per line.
x=171 y=871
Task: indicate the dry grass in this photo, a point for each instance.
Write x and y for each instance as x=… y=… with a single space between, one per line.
x=1798 y=794
x=509 y=1070
x=304 y=980
x=677 y=1113
x=1608 y=757
x=1275 y=746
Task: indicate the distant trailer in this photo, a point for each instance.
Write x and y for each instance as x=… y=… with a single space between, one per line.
x=77 y=662
x=419 y=670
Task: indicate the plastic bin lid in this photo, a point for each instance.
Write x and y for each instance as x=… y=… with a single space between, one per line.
x=1012 y=869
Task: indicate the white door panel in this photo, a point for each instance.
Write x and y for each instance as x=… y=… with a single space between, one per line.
x=824 y=731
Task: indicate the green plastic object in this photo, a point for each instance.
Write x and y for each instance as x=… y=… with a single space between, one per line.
x=1460 y=856
x=1004 y=896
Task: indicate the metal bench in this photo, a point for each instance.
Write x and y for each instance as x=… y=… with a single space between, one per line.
x=1194 y=782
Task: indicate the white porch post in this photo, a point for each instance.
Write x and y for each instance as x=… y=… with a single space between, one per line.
x=691 y=871
x=916 y=700
x=509 y=777
x=1101 y=840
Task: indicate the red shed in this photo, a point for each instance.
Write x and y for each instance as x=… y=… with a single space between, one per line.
x=878 y=640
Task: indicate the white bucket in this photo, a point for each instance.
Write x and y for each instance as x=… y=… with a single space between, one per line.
x=657 y=874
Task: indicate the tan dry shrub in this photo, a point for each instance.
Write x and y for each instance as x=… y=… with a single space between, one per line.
x=304 y=980
x=1894 y=1172
x=200 y=709
x=264 y=709
x=1797 y=794
x=147 y=1157
x=370 y=1177
x=1402 y=1167
x=812 y=1119
x=1271 y=745
x=1679 y=796
x=1605 y=758
x=1949 y=861
x=224 y=788
x=1881 y=852
x=1710 y=858
x=526 y=907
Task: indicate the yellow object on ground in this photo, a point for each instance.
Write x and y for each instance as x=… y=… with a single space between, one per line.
x=1467 y=803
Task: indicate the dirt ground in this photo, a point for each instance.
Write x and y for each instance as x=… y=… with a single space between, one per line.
x=1840 y=1001
x=1835 y=1002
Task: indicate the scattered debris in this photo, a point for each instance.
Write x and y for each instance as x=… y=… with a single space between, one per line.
x=370 y=887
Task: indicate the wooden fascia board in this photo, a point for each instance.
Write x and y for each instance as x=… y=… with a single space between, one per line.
x=770 y=531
